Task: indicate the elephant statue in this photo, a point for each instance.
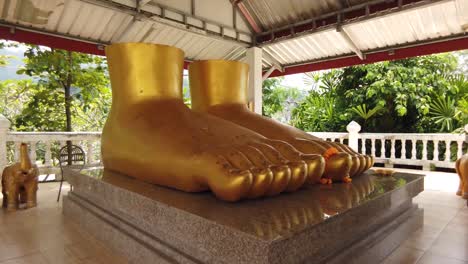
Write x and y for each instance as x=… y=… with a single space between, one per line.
x=461 y=166
x=19 y=182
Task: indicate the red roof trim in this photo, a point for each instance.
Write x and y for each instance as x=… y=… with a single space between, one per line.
x=56 y=42
x=49 y=41
x=424 y=49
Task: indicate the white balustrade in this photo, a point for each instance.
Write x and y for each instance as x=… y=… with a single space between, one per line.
x=49 y=143
x=412 y=146
x=452 y=145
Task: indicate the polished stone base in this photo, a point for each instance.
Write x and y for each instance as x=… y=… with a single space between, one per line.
x=361 y=222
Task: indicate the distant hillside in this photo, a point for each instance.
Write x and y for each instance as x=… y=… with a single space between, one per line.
x=9 y=71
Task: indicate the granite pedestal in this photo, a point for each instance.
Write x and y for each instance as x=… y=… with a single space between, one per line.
x=360 y=222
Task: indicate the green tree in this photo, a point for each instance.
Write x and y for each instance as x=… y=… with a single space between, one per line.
x=279 y=101
x=66 y=81
x=14 y=95
x=401 y=91
x=271 y=102
x=317 y=112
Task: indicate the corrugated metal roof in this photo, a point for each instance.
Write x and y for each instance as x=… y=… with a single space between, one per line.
x=272 y=13
x=95 y=21
x=323 y=44
x=412 y=26
x=100 y=24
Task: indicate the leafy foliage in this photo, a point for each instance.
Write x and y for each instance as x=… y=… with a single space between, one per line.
x=444 y=113
x=69 y=85
x=364 y=113
x=14 y=95
x=392 y=96
x=279 y=101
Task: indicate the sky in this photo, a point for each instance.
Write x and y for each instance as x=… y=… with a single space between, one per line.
x=9 y=71
x=295 y=80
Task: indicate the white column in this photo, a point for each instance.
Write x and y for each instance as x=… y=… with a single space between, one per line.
x=373 y=141
x=424 y=151
x=447 y=150
x=392 y=148
x=4 y=126
x=32 y=151
x=466 y=133
x=436 y=150
x=48 y=154
x=403 y=149
x=413 y=149
x=90 y=152
x=254 y=93
x=353 y=129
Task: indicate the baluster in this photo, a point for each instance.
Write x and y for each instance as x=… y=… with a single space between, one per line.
x=436 y=150
x=447 y=150
x=17 y=151
x=90 y=152
x=424 y=150
x=341 y=140
x=48 y=154
x=384 y=148
x=403 y=149
x=32 y=152
x=413 y=149
x=392 y=148
x=373 y=147
x=363 y=146
x=459 y=149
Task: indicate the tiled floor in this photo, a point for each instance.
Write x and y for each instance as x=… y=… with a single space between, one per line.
x=444 y=236
x=43 y=236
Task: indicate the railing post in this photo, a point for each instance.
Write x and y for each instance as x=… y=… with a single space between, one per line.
x=353 y=129
x=4 y=126
x=90 y=152
x=466 y=133
x=48 y=154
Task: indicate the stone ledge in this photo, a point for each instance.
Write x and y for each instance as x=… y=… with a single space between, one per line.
x=315 y=224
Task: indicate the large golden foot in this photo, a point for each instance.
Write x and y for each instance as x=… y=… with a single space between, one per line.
x=220 y=88
x=151 y=135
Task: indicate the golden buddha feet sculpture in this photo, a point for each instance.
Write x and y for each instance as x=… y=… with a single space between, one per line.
x=220 y=88
x=461 y=166
x=151 y=135
x=19 y=182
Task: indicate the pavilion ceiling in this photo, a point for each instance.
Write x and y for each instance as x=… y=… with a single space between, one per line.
x=291 y=33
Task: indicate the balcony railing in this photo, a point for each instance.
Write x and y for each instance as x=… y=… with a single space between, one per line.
x=426 y=150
